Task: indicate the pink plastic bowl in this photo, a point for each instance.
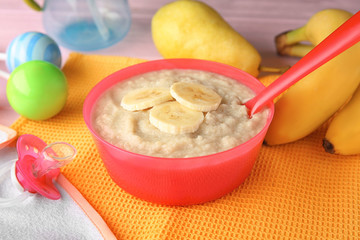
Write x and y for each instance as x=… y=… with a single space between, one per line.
x=177 y=181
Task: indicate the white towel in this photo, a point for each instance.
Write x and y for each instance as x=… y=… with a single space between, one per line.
x=42 y=218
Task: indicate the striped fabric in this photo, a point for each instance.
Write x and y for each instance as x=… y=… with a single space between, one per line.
x=32 y=46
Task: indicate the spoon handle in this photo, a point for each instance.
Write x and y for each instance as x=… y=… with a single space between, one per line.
x=341 y=39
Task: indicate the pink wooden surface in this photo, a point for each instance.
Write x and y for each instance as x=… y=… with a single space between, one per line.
x=257 y=20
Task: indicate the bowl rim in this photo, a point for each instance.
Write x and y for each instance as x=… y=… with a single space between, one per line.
x=175 y=63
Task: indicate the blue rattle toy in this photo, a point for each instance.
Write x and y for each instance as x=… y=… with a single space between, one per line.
x=31 y=46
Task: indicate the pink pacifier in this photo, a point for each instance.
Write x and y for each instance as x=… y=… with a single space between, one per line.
x=37 y=168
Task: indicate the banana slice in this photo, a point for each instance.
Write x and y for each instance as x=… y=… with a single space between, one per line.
x=144 y=98
x=172 y=117
x=195 y=96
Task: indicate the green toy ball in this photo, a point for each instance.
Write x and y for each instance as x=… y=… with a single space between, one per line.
x=37 y=90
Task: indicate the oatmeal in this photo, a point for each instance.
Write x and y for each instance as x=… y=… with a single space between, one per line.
x=223 y=128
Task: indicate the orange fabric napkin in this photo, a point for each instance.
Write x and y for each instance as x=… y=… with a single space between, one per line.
x=295 y=191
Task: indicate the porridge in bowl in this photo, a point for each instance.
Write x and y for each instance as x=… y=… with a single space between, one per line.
x=176 y=113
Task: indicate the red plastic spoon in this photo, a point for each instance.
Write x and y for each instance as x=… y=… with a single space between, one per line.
x=341 y=39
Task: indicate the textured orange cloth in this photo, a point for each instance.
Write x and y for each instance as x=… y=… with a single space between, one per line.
x=295 y=191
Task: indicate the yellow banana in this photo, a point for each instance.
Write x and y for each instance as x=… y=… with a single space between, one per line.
x=172 y=117
x=343 y=133
x=144 y=98
x=195 y=96
x=319 y=26
x=316 y=97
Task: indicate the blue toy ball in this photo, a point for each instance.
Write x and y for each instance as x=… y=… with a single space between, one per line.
x=32 y=46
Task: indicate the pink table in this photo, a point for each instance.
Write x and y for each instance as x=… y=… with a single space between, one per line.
x=258 y=21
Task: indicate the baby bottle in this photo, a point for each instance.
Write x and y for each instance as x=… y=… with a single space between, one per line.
x=85 y=25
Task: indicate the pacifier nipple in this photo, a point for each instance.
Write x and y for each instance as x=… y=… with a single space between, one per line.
x=53 y=156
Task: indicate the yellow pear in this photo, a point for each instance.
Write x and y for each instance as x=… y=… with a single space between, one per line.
x=192 y=29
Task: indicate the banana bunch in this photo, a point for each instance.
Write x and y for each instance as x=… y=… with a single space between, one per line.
x=184 y=115
x=316 y=97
